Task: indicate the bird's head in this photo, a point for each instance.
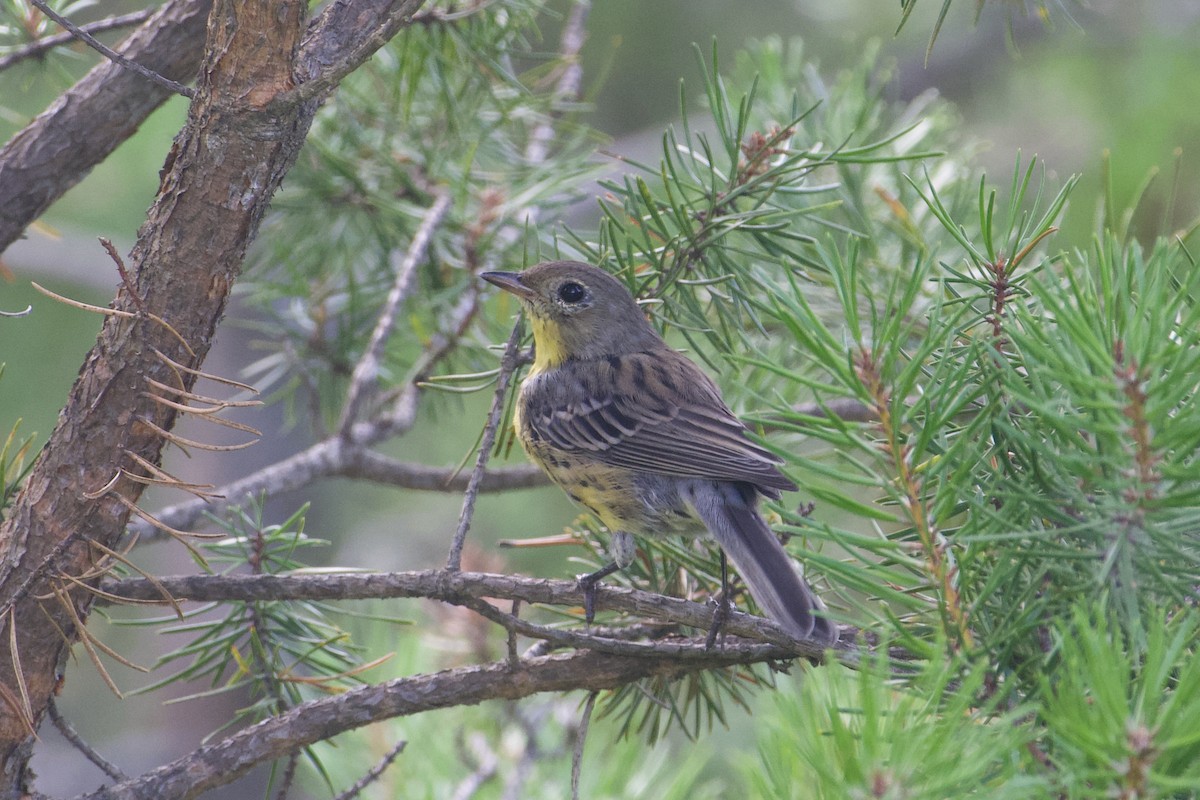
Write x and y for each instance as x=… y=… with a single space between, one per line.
x=577 y=311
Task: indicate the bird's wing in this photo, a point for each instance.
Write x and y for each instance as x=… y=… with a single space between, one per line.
x=654 y=412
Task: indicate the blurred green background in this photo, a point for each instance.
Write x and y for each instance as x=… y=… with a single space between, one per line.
x=1117 y=78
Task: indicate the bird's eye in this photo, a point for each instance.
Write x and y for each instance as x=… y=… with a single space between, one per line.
x=571 y=292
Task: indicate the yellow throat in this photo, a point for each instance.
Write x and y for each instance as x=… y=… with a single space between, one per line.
x=549 y=350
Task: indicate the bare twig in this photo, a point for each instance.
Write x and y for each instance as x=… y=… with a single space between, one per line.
x=221 y=762
x=44 y=44
x=373 y=773
x=464 y=588
x=508 y=365
x=366 y=372
x=80 y=129
x=403 y=398
x=513 y=657
x=536 y=151
x=112 y=55
x=516 y=782
x=334 y=458
x=632 y=631
x=581 y=738
x=570 y=43
x=566 y=638
x=126 y=280
x=289 y=775
x=71 y=735
x=407 y=475
x=486 y=766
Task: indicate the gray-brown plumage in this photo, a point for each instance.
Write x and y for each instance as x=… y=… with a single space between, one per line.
x=639 y=435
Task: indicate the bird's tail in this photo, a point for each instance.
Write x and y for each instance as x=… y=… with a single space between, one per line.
x=730 y=513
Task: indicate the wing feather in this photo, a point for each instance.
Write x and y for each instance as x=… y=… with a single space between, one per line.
x=654 y=412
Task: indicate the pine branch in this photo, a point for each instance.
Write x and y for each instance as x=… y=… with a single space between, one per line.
x=224 y=761
x=458 y=588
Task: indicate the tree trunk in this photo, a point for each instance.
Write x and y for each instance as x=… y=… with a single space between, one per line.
x=243 y=132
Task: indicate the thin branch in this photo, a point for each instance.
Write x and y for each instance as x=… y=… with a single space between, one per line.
x=366 y=372
x=71 y=735
x=486 y=766
x=112 y=55
x=84 y=125
x=318 y=461
x=560 y=637
x=126 y=279
x=508 y=365
x=632 y=631
x=221 y=762
x=403 y=398
x=407 y=475
x=530 y=752
x=333 y=458
x=44 y=44
x=463 y=588
x=373 y=773
x=580 y=739
x=570 y=43
x=536 y=151
x=289 y=776
x=511 y=644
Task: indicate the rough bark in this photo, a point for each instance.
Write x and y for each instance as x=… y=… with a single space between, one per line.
x=244 y=130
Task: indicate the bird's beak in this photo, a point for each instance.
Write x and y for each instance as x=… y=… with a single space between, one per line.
x=509 y=282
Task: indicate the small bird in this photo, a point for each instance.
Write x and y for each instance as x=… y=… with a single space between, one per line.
x=636 y=433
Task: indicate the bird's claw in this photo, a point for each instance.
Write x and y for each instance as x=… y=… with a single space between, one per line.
x=721 y=611
x=587 y=584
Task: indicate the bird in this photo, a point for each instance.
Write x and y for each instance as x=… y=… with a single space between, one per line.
x=636 y=433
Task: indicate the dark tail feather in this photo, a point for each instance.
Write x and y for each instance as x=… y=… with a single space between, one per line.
x=735 y=523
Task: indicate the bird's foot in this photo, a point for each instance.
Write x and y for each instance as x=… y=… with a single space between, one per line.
x=587 y=584
x=721 y=611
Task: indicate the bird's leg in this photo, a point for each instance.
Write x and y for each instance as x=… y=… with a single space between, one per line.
x=588 y=584
x=724 y=606
x=623 y=550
